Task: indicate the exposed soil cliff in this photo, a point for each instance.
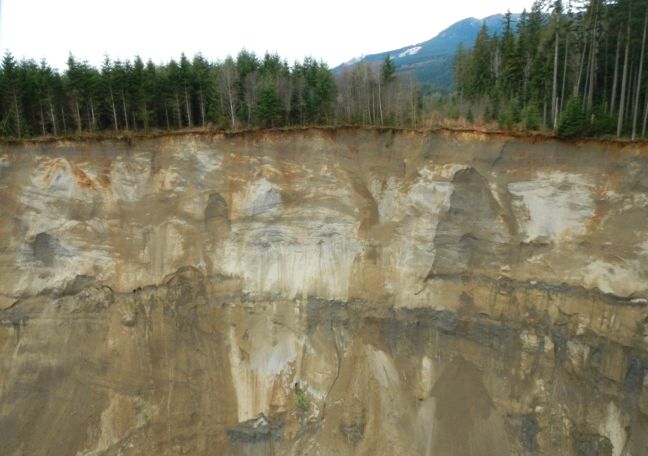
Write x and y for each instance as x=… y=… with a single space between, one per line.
x=324 y=292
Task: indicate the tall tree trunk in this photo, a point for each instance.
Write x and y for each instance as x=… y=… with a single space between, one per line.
x=564 y=78
x=88 y=119
x=52 y=117
x=230 y=100
x=525 y=83
x=592 y=63
x=615 y=79
x=123 y=97
x=166 y=116
x=63 y=119
x=380 y=103
x=498 y=64
x=187 y=107
x=638 y=89
x=42 y=118
x=202 y=107
x=348 y=108
x=645 y=116
x=77 y=113
x=221 y=102
x=373 y=104
x=632 y=86
x=17 y=113
x=544 y=112
x=413 y=105
x=146 y=117
x=606 y=54
x=554 y=88
x=114 y=110
x=580 y=70
x=92 y=112
x=178 y=113
x=587 y=81
x=368 y=87
x=624 y=79
x=369 y=104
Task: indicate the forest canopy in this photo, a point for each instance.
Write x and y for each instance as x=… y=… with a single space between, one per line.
x=572 y=67
x=240 y=92
x=576 y=67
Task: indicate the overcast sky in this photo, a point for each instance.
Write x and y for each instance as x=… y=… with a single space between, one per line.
x=332 y=30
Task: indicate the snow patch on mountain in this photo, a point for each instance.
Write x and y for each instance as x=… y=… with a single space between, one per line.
x=354 y=60
x=410 y=51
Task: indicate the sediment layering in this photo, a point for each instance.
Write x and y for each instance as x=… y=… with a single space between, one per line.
x=324 y=292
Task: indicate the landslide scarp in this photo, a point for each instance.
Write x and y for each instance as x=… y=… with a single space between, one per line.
x=324 y=292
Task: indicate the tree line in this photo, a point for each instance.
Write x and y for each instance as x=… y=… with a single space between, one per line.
x=239 y=92
x=577 y=68
x=574 y=67
x=374 y=94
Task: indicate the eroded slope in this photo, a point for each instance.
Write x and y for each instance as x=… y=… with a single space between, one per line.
x=366 y=292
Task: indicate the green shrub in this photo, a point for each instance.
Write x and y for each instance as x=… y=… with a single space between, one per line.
x=302 y=402
x=572 y=122
x=531 y=117
x=601 y=123
x=511 y=115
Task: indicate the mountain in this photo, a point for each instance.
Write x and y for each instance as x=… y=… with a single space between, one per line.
x=432 y=60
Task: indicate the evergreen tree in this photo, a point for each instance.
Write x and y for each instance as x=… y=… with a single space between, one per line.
x=572 y=122
x=202 y=88
x=388 y=71
x=269 y=106
x=12 y=122
x=510 y=74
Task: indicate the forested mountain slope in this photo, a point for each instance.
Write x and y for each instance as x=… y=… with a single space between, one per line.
x=431 y=61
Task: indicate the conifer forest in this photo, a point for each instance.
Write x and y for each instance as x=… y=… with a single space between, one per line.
x=576 y=68
x=241 y=92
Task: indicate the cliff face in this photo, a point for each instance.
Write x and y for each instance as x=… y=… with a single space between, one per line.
x=324 y=292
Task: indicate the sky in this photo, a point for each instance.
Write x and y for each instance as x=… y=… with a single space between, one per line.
x=334 y=31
